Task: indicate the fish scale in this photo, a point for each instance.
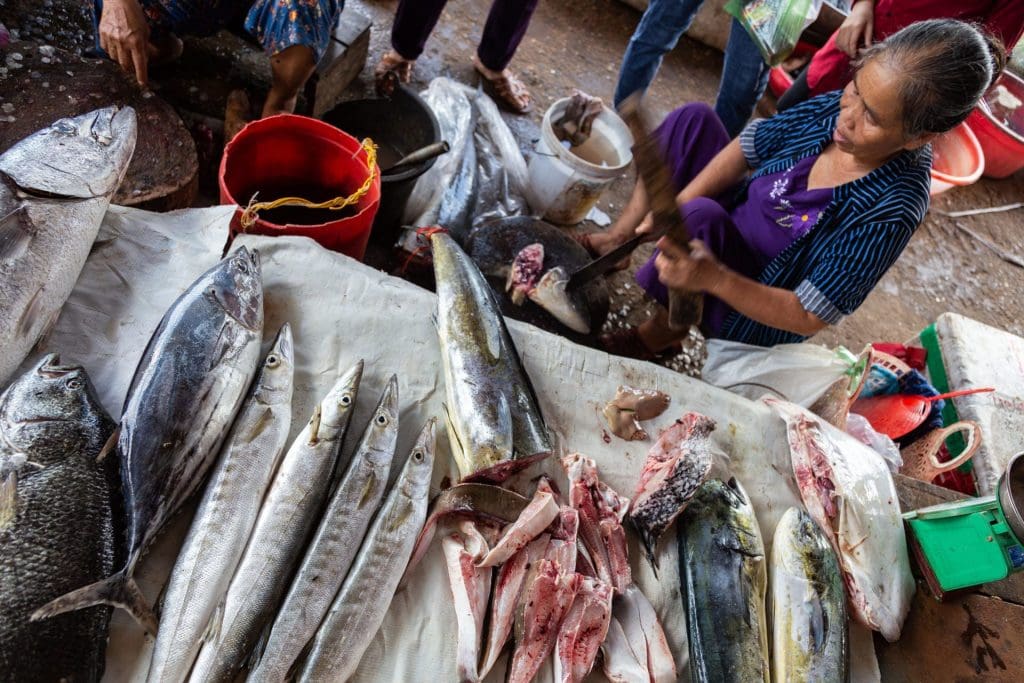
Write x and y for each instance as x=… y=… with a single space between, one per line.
x=63 y=531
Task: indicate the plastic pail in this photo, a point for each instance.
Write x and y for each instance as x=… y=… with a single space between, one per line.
x=564 y=184
x=288 y=155
x=1003 y=145
x=399 y=125
x=957 y=159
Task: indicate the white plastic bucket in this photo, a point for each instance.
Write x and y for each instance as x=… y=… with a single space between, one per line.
x=565 y=184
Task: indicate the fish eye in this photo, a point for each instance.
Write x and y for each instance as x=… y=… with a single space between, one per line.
x=273 y=361
x=346 y=400
x=243 y=266
x=74 y=383
x=417 y=456
x=382 y=419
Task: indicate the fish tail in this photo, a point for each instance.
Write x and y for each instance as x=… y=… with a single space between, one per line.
x=119 y=590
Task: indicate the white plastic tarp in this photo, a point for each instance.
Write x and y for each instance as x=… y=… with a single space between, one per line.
x=340 y=311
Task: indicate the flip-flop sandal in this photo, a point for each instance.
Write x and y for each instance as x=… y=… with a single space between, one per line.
x=508 y=90
x=391 y=70
x=584 y=240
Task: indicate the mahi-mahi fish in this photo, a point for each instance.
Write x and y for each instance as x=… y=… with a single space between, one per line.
x=226 y=515
x=722 y=566
x=364 y=598
x=333 y=548
x=55 y=186
x=58 y=529
x=187 y=388
x=292 y=507
x=494 y=423
x=810 y=633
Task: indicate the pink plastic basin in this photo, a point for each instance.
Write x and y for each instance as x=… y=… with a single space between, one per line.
x=1003 y=145
x=957 y=159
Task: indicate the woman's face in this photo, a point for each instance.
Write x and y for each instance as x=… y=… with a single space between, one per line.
x=870 y=125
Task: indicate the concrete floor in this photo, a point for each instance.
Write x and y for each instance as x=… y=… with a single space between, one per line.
x=579 y=44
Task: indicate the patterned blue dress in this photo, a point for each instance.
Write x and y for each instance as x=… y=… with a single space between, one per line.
x=276 y=24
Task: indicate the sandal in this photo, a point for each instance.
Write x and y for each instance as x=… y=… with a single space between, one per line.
x=627 y=343
x=584 y=240
x=506 y=88
x=391 y=70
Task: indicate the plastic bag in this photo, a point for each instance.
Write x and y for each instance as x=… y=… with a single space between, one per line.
x=799 y=373
x=774 y=25
x=859 y=428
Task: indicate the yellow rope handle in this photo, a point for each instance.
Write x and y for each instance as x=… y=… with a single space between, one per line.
x=249 y=215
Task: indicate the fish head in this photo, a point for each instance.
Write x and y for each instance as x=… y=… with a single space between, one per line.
x=337 y=406
x=82 y=157
x=567 y=307
x=238 y=288
x=52 y=412
x=420 y=465
x=382 y=430
x=275 y=383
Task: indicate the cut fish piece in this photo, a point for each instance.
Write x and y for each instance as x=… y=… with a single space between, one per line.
x=583 y=630
x=525 y=272
x=541 y=511
x=547 y=600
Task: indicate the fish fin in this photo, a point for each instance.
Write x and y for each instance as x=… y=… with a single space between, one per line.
x=31 y=314
x=212 y=631
x=8 y=500
x=314 y=425
x=650 y=544
x=119 y=590
x=368 y=487
x=109 y=445
x=453 y=437
x=15 y=234
x=504 y=427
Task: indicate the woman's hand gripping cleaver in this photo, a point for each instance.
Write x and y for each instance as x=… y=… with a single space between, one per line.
x=684 y=308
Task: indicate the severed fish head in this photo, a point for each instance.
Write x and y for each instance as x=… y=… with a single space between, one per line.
x=238 y=288
x=525 y=271
x=568 y=308
x=42 y=414
x=81 y=157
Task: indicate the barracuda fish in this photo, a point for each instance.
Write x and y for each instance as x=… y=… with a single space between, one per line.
x=187 y=388
x=722 y=563
x=849 y=492
x=334 y=547
x=359 y=608
x=55 y=186
x=810 y=632
x=494 y=422
x=292 y=506
x=57 y=525
x=226 y=515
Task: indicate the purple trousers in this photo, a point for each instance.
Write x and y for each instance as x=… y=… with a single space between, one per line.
x=506 y=25
x=690 y=138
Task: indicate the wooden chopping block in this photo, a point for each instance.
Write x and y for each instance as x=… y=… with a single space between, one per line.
x=341 y=63
x=47 y=84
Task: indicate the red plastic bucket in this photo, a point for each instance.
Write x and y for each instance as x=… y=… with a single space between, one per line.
x=288 y=155
x=1004 y=147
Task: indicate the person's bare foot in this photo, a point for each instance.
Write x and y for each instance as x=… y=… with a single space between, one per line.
x=391 y=70
x=506 y=87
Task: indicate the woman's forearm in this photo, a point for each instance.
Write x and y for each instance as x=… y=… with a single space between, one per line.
x=771 y=306
x=726 y=169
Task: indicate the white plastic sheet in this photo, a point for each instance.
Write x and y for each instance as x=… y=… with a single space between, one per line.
x=341 y=310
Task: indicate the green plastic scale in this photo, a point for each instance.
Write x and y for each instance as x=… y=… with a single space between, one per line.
x=971 y=542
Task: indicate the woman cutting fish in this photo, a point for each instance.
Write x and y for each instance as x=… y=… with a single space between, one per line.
x=796 y=220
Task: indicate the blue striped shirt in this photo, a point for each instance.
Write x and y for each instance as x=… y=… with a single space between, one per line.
x=858 y=235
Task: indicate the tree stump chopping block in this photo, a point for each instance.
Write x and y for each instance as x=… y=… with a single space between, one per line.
x=344 y=59
x=40 y=84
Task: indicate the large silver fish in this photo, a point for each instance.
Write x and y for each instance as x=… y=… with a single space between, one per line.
x=810 y=632
x=55 y=186
x=226 y=515
x=364 y=598
x=187 y=388
x=292 y=507
x=57 y=524
x=494 y=423
x=334 y=547
x=722 y=563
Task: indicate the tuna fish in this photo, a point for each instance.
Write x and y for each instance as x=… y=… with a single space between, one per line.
x=187 y=388
x=849 y=492
x=226 y=515
x=359 y=608
x=494 y=423
x=722 y=565
x=333 y=548
x=55 y=186
x=57 y=525
x=292 y=507
x=677 y=464
x=810 y=634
